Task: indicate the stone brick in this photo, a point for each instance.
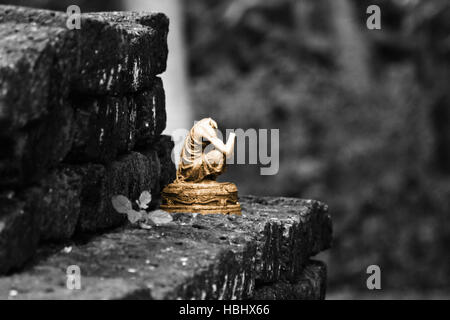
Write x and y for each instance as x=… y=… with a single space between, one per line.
x=128 y=176
x=98 y=130
x=163 y=147
x=26 y=70
x=38 y=148
x=311 y=285
x=112 y=52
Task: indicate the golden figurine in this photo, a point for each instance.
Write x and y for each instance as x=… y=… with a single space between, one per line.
x=202 y=159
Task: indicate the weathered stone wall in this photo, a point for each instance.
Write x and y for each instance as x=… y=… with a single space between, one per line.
x=263 y=254
x=81 y=117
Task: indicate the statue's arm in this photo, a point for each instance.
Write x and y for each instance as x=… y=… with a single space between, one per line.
x=227 y=148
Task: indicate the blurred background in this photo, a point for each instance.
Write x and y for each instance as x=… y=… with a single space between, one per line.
x=364 y=118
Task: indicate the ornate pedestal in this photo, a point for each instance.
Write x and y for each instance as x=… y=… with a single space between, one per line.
x=205 y=197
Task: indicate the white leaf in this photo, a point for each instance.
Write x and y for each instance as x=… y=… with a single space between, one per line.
x=160 y=217
x=134 y=216
x=144 y=199
x=121 y=204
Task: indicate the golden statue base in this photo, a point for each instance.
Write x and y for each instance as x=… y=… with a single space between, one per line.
x=205 y=197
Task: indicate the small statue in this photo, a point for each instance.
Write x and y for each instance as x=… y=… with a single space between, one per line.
x=202 y=159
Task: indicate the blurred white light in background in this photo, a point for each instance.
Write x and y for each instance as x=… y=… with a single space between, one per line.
x=178 y=104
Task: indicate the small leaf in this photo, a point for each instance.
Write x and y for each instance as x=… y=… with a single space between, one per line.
x=134 y=216
x=143 y=225
x=160 y=217
x=121 y=204
x=144 y=199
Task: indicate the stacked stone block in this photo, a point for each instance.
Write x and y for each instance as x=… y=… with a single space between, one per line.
x=81 y=117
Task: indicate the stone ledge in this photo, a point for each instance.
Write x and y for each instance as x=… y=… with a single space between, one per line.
x=201 y=257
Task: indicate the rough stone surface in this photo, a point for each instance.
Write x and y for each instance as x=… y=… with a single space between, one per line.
x=19 y=234
x=128 y=176
x=311 y=285
x=112 y=52
x=34 y=122
x=26 y=61
x=106 y=126
x=58 y=207
x=73 y=199
x=44 y=65
x=200 y=257
x=164 y=147
x=96 y=129
x=151 y=115
x=116 y=52
x=303 y=231
x=48 y=140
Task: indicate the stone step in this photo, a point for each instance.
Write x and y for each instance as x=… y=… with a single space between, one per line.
x=106 y=126
x=264 y=253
